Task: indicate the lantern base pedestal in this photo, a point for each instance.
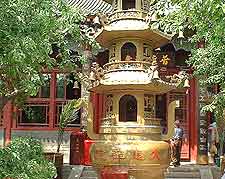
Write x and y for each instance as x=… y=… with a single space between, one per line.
x=126 y=173
x=139 y=159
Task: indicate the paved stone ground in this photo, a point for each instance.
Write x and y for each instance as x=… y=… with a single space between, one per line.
x=187 y=170
x=79 y=172
x=193 y=171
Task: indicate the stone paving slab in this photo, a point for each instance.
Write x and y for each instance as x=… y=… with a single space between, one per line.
x=191 y=171
x=76 y=172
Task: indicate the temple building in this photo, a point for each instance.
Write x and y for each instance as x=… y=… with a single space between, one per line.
x=139 y=84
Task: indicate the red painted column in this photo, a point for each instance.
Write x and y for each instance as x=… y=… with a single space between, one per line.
x=193 y=106
x=52 y=103
x=14 y=121
x=8 y=111
x=98 y=100
x=101 y=110
x=95 y=110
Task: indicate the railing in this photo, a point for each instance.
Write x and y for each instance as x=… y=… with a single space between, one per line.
x=108 y=121
x=128 y=14
x=152 y=121
x=126 y=66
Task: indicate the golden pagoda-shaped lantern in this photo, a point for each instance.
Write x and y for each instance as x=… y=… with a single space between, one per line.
x=130 y=136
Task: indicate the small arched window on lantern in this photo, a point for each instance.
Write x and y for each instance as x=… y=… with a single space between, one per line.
x=128 y=52
x=128 y=109
x=128 y=4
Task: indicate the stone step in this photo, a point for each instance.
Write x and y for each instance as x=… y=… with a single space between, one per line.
x=89 y=168
x=89 y=173
x=182 y=169
x=183 y=178
x=182 y=174
x=76 y=172
x=66 y=170
x=65 y=176
x=193 y=172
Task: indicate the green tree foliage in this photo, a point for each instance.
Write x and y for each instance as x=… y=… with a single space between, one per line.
x=206 y=20
x=24 y=159
x=69 y=114
x=28 y=28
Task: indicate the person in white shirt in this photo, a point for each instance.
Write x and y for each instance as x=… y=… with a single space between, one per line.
x=213 y=140
x=176 y=144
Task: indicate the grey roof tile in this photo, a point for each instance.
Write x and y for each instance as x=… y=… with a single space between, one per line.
x=91 y=6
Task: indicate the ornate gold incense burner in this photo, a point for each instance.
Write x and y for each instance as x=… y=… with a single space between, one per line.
x=128 y=140
x=130 y=134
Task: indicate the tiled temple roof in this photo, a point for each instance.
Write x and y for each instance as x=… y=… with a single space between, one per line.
x=91 y=6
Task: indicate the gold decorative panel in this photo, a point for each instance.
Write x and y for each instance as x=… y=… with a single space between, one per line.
x=108 y=105
x=149 y=106
x=109 y=118
x=129 y=153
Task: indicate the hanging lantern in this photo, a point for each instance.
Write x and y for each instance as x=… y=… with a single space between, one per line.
x=154 y=17
x=186 y=83
x=181 y=35
x=88 y=19
x=155 y=75
x=96 y=20
x=92 y=76
x=75 y=85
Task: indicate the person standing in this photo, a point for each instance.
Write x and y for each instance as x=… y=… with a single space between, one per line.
x=176 y=143
x=213 y=141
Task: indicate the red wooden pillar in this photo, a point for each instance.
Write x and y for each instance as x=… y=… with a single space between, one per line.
x=97 y=102
x=52 y=102
x=101 y=110
x=14 y=121
x=97 y=117
x=95 y=110
x=193 y=106
x=8 y=111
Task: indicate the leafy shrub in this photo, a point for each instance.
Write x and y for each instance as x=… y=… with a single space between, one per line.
x=69 y=114
x=23 y=159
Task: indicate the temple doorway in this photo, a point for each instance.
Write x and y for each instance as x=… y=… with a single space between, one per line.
x=128 y=52
x=128 y=109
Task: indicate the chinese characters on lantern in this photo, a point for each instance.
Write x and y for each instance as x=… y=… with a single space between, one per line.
x=136 y=154
x=118 y=154
x=154 y=155
x=163 y=60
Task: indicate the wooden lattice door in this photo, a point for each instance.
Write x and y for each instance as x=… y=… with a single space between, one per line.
x=181 y=114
